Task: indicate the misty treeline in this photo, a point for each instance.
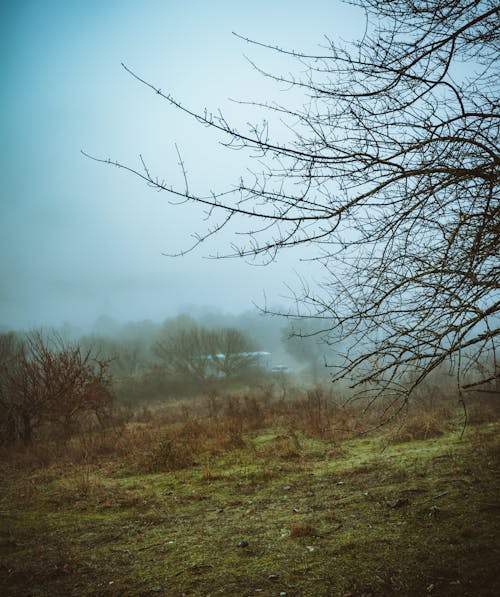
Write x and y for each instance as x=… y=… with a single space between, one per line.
x=56 y=382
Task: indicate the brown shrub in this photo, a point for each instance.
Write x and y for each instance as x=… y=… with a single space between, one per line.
x=303 y=530
x=178 y=434
x=284 y=446
x=421 y=424
x=169 y=453
x=483 y=410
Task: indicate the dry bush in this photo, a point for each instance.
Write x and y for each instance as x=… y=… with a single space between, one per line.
x=176 y=435
x=482 y=409
x=17 y=457
x=230 y=437
x=421 y=424
x=49 y=387
x=151 y=448
x=179 y=434
x=169 y=453
x=253 y=412
x=284 y=446
x=92 y=446
x=321 y=413
x=316 y=412
x=303 y=530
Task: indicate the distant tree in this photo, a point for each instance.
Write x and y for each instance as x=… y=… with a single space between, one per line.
x=196 y=351
x=44 y=381
x=182 y=346
x=125 y=357
x=235 y=354
x=390 y=173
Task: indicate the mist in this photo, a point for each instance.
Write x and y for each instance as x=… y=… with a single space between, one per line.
x=249 y=314
x=79 y=240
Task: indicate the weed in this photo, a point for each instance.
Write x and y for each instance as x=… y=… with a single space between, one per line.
x=303 y=530
x=179 y=434
x=170 y=453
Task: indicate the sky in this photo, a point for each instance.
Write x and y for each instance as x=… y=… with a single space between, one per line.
x=79 y=239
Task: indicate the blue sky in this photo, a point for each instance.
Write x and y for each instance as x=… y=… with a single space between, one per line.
x=78 y=239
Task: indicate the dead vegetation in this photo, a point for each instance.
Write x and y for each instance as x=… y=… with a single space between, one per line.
x=224 y=496
x=177 y=435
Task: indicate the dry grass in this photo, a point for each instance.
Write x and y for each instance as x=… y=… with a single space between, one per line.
x=366 y=522
x=257 y=494
x=421 y=424
x=303 y=530
x=178 y=435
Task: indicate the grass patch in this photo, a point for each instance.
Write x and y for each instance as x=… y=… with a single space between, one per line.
x=277 y=512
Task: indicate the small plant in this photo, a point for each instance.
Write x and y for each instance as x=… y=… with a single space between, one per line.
x=170 y=454
x=303 y=530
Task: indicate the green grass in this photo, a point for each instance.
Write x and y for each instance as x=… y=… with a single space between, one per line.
x=284 y=514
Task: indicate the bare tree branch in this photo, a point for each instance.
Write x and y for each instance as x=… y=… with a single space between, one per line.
x=391 y=175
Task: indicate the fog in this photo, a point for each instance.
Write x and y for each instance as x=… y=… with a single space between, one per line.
x=78 y=239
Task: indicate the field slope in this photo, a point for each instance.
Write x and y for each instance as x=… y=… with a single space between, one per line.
x=281 y=514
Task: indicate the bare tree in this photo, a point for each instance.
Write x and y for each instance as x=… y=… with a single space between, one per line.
x=235 y=352
x=186 y=350
x=202 y=353
x=44 y=381
x=10 y=348
x=390 y=173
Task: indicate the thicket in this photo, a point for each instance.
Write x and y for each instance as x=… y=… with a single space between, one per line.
x=50 y=387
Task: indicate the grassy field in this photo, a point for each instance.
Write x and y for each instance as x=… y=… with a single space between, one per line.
x=277 y=511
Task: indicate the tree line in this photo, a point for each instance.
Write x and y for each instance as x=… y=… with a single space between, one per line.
x=54 y=385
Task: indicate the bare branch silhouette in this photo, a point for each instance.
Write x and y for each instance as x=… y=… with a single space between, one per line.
x=391 y=176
